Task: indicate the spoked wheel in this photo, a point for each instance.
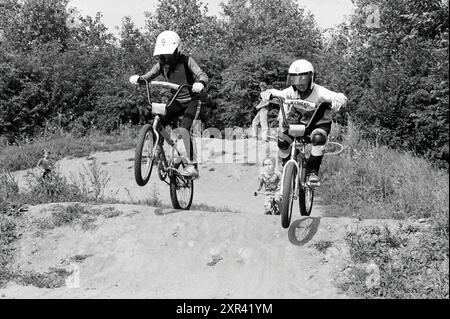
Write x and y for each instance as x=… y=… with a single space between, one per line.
x=306 y=198
x=288 y=194
x=305 y=195
x=181 y=190
x=143 y=156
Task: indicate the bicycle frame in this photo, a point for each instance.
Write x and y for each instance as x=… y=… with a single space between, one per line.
x=161 y=131
x=299 y=131
x=300 y=145
x=296 y=162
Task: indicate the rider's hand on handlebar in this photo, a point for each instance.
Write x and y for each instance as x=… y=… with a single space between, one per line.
x=135 y=79
x=197 y=87
x=339 y=101
x=265 y=96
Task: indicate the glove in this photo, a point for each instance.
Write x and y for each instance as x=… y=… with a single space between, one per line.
x=339 y=101
x=197 y=87
x=293 y=95
x=134 y=79
x=265 y=96
x=255 y=194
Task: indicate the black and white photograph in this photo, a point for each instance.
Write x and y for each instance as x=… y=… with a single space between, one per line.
x=225 y=155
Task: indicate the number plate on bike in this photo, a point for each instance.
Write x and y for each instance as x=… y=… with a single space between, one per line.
x=159 y=108
x=297 y=130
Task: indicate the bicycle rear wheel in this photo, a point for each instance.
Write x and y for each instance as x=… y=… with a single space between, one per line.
x=143 y=156
x=288 y=194
x=181 y=190
x=305 y=194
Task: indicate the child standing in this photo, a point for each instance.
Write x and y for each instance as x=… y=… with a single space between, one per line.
x=45 y=164
x=261 y=116
x=270 y=178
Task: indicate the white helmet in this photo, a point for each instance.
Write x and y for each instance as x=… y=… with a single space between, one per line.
x=166 y=43
x=300 y=67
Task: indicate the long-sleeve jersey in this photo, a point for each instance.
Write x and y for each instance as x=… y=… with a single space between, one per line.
x=302 y=114
x=185 y=71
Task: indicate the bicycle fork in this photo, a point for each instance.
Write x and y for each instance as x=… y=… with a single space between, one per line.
x=163 y=166
x=297 y=178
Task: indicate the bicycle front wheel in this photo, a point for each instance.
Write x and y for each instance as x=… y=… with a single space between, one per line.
x=305 y=194
x=288 y=193
x=143 y=156
x=181 y=190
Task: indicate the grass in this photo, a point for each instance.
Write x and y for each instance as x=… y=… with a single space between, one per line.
x=76 y=214
x=378 y=182
x=323 y=245
x=26 y=153
x=54 y=278
x=406 y=263
x=214 y=209
x=61 y=215
x=366 y=181
x=88 y=188
x=372 y=181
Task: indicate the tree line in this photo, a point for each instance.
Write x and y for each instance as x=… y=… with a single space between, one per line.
x=61 y=70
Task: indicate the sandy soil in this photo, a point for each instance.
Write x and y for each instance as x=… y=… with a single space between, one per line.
x=147 y=252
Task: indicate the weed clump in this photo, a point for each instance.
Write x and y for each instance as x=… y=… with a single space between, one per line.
x=406 y=263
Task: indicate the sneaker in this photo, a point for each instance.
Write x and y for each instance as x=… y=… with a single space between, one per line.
x=313 y=179
x=267 y=212
x=190 y=171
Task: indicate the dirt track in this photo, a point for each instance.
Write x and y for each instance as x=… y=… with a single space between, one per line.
x=150 y=252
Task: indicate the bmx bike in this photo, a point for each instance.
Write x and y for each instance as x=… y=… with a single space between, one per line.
x=150 y=152
x=294 y=181
x=274 y=209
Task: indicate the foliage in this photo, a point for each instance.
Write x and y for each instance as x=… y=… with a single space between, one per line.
x=65 y=72
x=371 y=181
x=395 y=72
x=408 y=262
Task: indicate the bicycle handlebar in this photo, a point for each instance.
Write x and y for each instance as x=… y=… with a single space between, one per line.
x=165 y=84
x=279 y=100
x=300 y=102
x=168 y=85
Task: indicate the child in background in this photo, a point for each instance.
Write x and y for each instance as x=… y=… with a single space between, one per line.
x=261 y=116
x=270 y=178
x=45 y=164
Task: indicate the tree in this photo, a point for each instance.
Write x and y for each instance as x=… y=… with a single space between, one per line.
x=30 y=23
x=397 y=72
x=282 y=25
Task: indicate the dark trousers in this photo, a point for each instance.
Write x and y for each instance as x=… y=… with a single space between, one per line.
x=313 y=162
x=189 y=112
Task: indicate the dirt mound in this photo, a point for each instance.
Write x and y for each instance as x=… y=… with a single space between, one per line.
x=153 y=253
x=225 y=247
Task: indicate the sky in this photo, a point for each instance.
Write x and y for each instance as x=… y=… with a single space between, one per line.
x=328 y=13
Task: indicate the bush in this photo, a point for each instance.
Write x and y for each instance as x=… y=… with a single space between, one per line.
x=378 y=182
x=406 y=263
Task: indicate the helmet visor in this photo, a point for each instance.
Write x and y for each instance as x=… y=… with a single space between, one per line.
x=303 y=79
x=161 y=49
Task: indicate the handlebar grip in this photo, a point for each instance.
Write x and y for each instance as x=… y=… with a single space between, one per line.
x=165 y=84
x=300 y=102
